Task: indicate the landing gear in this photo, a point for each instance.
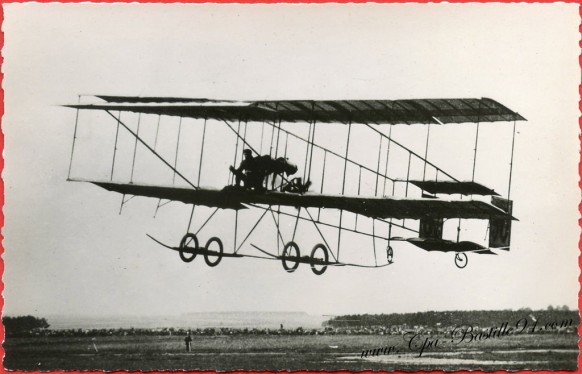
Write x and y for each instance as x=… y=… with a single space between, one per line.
x=290 y=257
x=213 y=250
x=319 y=256
x=461 y=260
x=390 y=254
x=188 y=245
x=209 y=253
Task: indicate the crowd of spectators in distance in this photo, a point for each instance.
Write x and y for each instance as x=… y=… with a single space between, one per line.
x=226 y=331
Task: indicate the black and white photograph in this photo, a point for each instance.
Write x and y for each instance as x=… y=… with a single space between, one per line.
x=291 y=187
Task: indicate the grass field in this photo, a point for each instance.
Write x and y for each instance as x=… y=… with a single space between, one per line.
x=310 y=352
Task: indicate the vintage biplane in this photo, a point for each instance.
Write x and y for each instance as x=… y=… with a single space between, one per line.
x=416 y=208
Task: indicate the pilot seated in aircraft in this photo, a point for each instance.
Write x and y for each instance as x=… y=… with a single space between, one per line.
x=249 y=172
x=254 y=170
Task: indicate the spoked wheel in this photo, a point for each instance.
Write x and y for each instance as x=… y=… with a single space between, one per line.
x=319 y=256
x=290 y=257
x=390 y=254
x=461 y=260
x=217 y=249
x=189 y=243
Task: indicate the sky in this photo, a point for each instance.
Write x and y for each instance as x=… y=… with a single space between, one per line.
x=68 y=251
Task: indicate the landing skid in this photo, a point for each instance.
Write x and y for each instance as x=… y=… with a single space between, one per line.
x=291 y=262
x=194 y=251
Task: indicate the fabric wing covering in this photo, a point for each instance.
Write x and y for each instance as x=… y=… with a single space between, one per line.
x=413 y=111
x=374 y=207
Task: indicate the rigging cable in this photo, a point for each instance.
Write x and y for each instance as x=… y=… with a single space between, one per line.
x=177 y=150
x=74 y=139
x=475 y=153
x=135 y=148
x=157 y=131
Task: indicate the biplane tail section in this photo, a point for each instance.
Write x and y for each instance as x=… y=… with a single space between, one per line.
x=500 y=228
x=454 y=187
x=442 y=245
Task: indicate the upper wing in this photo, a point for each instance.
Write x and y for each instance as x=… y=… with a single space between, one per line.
x=374 y=207
x=421 y=111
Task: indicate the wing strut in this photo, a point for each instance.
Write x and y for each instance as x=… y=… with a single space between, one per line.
x=476 y=141
x=311 y=152
x=339 y=231
x=307 y=151
x=426 y=151
x=511 y=162
x=388 y=158
x=322 y=181
x=115 y=147
x=199 y=172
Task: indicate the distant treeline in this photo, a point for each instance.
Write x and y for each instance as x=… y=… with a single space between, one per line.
x=481 y=318
x=23 y=324
x=560 y=320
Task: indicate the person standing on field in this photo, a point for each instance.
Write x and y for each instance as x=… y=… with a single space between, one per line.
x=188 y=341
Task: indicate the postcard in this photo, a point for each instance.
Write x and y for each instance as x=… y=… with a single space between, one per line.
x=291 y=187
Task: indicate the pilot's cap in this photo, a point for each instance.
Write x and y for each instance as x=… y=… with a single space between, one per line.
x=247 y=152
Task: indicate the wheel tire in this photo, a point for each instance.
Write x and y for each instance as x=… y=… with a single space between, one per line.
x=185 y=256
x=315 y=270
x=390 y=254
x=207 y=258
x=291 y=246
x=461 y=260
